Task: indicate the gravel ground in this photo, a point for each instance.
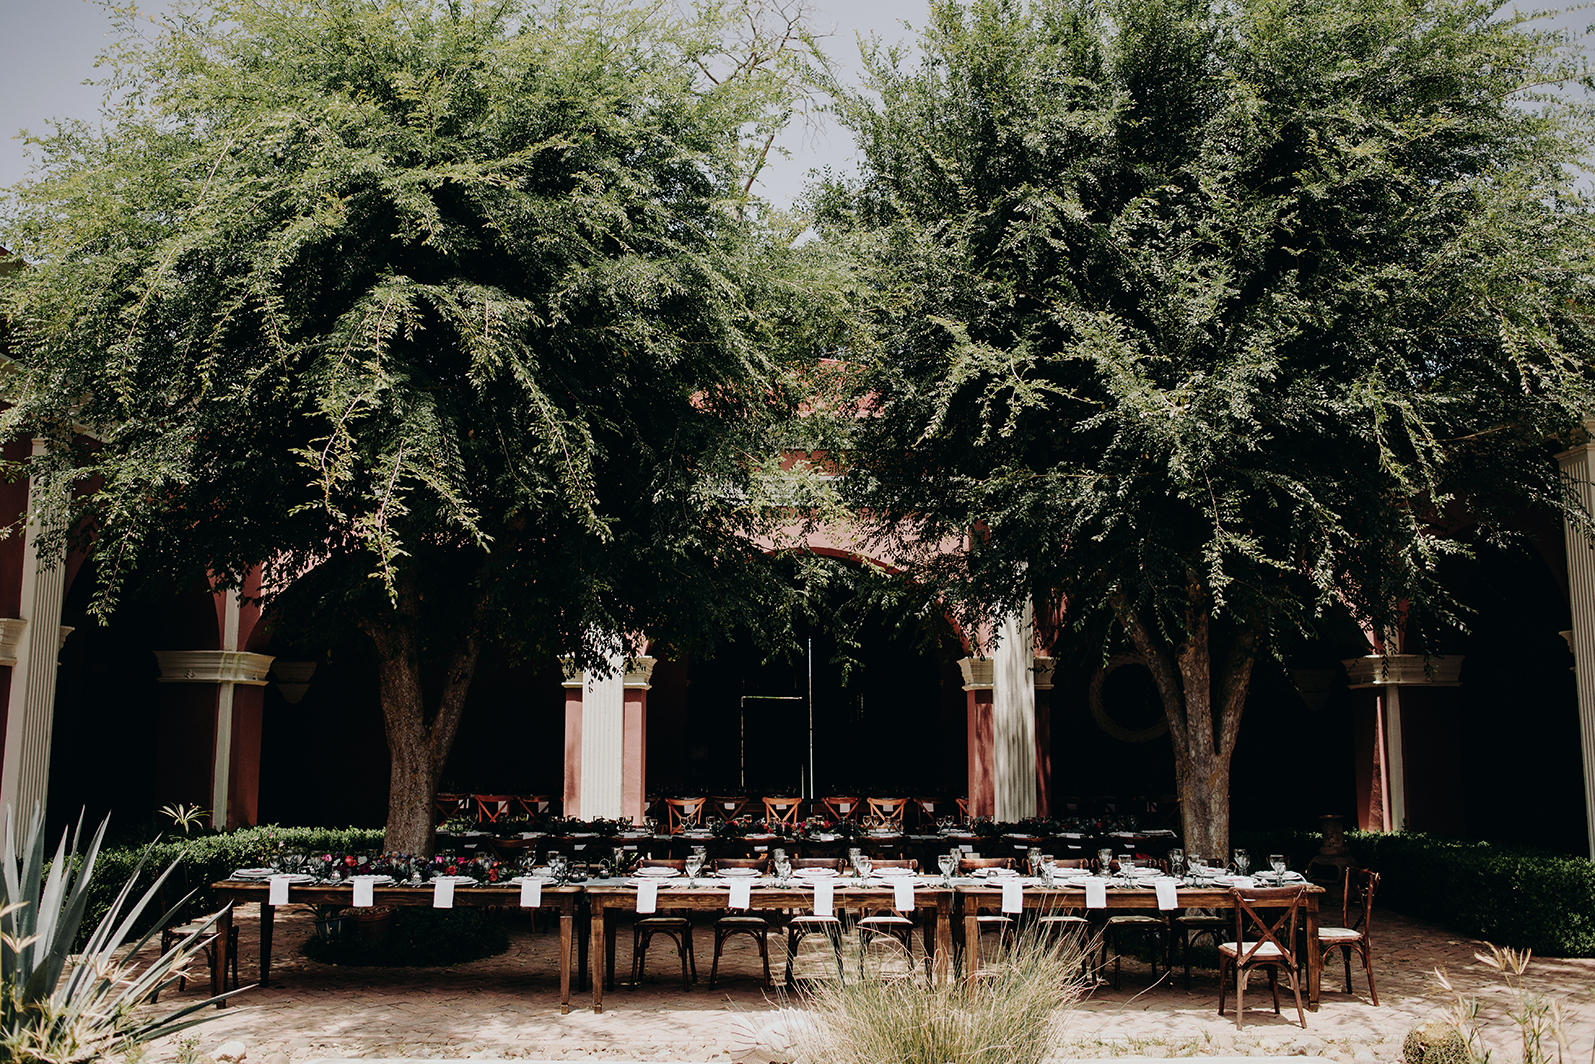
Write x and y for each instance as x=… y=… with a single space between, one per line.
x=508 y=1006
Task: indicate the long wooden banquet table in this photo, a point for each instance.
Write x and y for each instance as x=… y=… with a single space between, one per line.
x=611 y=896
x=973 y=896
x=563 y=899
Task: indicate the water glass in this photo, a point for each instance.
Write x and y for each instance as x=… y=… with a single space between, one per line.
x=1276 y=861
x=1193 y=865
x=1177 y=862
x=1105 y=862
x=947 y=862
x=694 y=866
x=864 y=864
x=1049 y=868
x=783 y=866
x=1243 y=862
x=1033 y=859
x=1127 y=866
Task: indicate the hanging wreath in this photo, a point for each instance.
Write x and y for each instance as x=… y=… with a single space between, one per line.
x=1100 y=714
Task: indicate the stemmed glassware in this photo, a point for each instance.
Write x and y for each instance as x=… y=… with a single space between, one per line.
x=947 y=862
x=1177 y=862
x=863 y=864
x=1105 y=862
x=1193 y=864
x=1033 y=859
x=1276 y=861
x=783 y=866
x=1049 y=868
x=1243 y=862
x=1127 y=867
x=694 y=866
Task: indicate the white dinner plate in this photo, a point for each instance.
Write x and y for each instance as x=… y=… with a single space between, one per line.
x=254 y=873
x=738 y=873
x=376 y=881
x=890 y=873
x=658 y=873
x=815 y=873
x=458 y=881
x=546 y=881
x=995 y=873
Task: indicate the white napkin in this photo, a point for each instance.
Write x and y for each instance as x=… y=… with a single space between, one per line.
x=741 y=894
x=967 y=847
x=903 y=894
x=824 y=897
x=1096 y=893
x=278 y=893
x=1166 y=897
x=647 y=896
x=531 y=893
x=363 y=893
x=1013 y=895
x=443 y=893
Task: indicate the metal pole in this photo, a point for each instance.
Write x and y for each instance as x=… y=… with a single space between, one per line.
x=812 y=786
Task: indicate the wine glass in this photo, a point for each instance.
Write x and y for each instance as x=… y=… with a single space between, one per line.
x=1193 y=865
x=1105 y=862
x=1049 y=868
x=1127 y=866
x=694 y=866
x=1276 y=861
x=947 y=862
x=783 y=866
x=865 y=864
x=1033 y=859
x=1243 y=862
x=1177 y=862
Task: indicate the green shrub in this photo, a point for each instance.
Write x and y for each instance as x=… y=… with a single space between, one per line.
x=420 y=937
x=1523 y=897
x=204 y=859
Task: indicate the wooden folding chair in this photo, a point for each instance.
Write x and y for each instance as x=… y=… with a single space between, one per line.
x=1272 y=947
x=782 y=810
x=684 y=813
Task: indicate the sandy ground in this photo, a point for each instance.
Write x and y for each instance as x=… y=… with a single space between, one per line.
x=508 y=1006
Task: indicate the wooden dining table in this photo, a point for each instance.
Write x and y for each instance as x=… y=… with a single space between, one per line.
x=975 y=895
x=608 y=897
x=565 y=900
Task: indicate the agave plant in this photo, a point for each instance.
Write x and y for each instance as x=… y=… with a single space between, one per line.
x=62 y=1007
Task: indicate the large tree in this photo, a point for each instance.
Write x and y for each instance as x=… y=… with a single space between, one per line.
x=1205 y=321
x=456 y=319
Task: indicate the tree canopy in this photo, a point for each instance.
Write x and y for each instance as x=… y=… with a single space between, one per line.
x=410 y=300
x=1205 y=321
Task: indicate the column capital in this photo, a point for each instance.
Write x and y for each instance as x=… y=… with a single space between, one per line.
x=1043 y=668
x=213 y=666
x=11 y=630
x=639 y=677
x=1404 y=670
x=979 y=673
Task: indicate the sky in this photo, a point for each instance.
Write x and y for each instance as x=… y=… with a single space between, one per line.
x=54 y=44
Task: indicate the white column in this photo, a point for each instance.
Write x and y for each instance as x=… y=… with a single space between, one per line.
x=30 y=709
x=226 y=669
x=1578 y=466
x=1389 y=673
x=603 y=741
x=1013 y=719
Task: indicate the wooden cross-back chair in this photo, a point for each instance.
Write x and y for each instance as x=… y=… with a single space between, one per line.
x=536 y=805
x=489 y=807
x=684 y=813
x=728 y=807
x=1356 y=919
x=782 y=810
x=448 y=806
x=841 y=807
x=1270 y=915
x=888 y=810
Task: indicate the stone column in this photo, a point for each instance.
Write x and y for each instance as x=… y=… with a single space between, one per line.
x=606 y=741
x=227 y=670
x=1578 y=466
x=1415 y=782
x=1010 y=759
x=30 y=707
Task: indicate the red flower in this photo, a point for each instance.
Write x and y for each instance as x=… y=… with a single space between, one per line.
x=451 y=870
x=492 y=875
x=351 y=860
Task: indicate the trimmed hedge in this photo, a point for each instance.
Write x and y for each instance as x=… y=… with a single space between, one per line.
x=1511 y=895
x=204 y=859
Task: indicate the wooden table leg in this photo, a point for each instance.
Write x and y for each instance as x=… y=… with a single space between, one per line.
x=224 y=939
x=268 y=916
x=567 y=917
x=943 y=963
x=609 y=958
x=584 y=935
x=1315 y=955
x=971 y=941
x=597 y=953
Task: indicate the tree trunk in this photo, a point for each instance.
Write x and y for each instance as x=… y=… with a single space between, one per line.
x=418 y=742
x=1202 y=728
